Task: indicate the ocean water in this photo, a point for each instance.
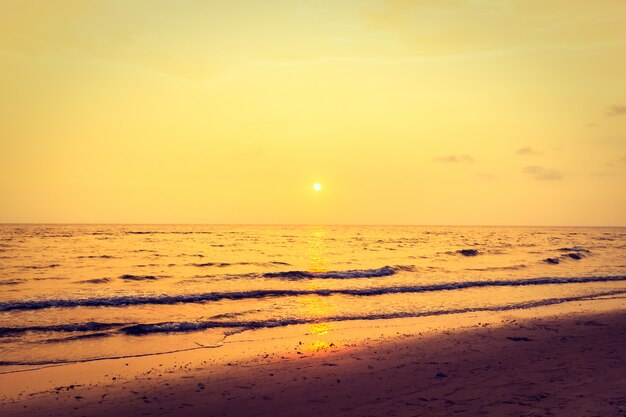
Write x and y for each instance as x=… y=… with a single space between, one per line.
x=72 y=293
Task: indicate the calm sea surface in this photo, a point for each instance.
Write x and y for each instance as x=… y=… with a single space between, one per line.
x=82 y=292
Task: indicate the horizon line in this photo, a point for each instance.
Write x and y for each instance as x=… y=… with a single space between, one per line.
x=301 y=224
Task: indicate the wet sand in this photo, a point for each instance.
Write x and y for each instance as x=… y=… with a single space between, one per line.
x=567 y=360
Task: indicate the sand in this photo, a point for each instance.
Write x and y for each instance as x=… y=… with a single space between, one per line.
x=566 y=360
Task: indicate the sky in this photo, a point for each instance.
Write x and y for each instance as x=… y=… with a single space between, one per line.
x=448 y=112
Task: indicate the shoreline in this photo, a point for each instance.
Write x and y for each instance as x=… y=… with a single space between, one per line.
x=8 y=367
x=270 y=371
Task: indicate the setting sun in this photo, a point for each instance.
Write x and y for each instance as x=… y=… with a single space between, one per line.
x=317 y=186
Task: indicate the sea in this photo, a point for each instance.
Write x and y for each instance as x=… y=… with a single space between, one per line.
x=76 y=293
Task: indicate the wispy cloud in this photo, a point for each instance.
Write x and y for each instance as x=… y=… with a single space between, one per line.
x=542 y=174
x=454 y=159
x=616 y=110
x=526 y=151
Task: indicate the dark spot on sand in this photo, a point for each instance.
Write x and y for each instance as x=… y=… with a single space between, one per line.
x=441 y=375
x=589 y=323
x=519 y=339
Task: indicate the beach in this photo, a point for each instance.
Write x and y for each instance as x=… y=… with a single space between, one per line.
x=565 y=360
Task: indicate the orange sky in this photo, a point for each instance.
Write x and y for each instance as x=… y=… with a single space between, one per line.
x=407 y=112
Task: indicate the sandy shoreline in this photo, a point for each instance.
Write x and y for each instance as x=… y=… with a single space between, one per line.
x=567 y=360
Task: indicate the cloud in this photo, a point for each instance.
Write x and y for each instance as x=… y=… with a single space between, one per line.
x=543 y=174
x=455 y=159
x=526 y=151
x=616 y=110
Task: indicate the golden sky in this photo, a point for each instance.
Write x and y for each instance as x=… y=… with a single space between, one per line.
x=406 y=111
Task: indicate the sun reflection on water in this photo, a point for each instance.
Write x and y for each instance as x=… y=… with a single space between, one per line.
x=316 y=306
x=316 y=249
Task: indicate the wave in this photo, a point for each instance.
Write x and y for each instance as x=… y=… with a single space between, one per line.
x=574 y=249
x=577 y=255
x=40 y=266
x=94 y=281
x=73 y=338
x=225 y=264
x=128 y=277
x=499 y=268
x=15 y=281
x=468 y=252
x=353 y=273
x=176 y=327
x=295 y=275
x=181 y=327
x=156 y=232
x=49 y=278
x=89 y=326
x=123 y=301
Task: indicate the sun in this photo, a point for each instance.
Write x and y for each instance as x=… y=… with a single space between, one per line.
x=317 y=186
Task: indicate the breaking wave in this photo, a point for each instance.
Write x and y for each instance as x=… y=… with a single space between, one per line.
x=225 y=264
x=353 y=273
x=174 y=327
x=178 y=327
x=89 y=326
x=240 y=295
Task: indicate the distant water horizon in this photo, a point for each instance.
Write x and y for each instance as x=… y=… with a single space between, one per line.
x=304 y=224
